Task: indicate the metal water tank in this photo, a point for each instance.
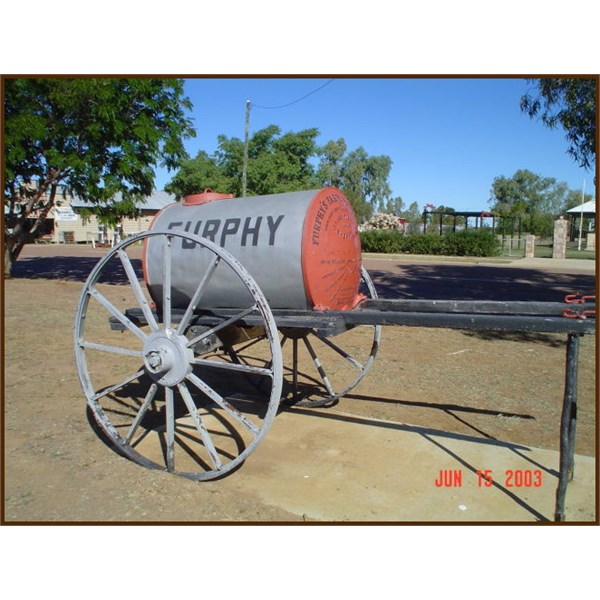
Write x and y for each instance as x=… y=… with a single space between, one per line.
x=302 y=248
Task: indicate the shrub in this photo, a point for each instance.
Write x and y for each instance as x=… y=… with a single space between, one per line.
x=386 y=241
x=425 y=244
x=476 y=242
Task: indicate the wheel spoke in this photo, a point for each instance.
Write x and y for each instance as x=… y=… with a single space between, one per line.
x=140 y=415
x=340 y=351
x=137 y=290
x=208 y=443
x=113 y=349
x=221 y=325
x=197 y=295
x=112 y=388
x=166 y=308
x=170 y=426
x=345 y=380
x=232 y=366
x=319 y=366
x=213 y=395
x=113 y=310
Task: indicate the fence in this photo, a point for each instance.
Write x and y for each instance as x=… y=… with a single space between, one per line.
x=514 y=247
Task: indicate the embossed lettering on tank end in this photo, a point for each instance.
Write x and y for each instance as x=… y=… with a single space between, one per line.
x=321 y=212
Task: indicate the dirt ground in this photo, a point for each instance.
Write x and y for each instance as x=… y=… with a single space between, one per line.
x=57 y=469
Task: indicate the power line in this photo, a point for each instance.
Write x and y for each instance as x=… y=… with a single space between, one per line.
x=247 y=128
x=294 y=101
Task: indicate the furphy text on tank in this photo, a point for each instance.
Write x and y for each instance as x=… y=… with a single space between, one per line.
x=253 y=231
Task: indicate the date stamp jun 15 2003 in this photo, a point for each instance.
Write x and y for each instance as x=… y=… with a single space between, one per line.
x=487 y=478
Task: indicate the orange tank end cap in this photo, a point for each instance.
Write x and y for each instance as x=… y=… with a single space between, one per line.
x=331 y=253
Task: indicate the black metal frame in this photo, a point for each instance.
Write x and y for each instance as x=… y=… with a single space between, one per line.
x=500 y=316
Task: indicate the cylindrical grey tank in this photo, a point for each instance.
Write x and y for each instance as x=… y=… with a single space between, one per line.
x=302 y=248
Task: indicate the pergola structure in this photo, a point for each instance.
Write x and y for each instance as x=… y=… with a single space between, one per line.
x=587 y=210
x=479 y=217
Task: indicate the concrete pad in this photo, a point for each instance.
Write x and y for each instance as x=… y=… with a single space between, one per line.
x=332 y=466
x=545 y=264
x=565 y=264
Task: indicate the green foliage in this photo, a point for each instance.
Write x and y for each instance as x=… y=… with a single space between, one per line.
x=363 y=178
x=479 y=242
x=446 y=215
x=393 y=206
x=284 y=163
x=414 y=217
x=276 y=163
x=361 y=207
x=384 y=241
x=570 y=103
x=196 y=175
x=469 y=242
x=575 y=198
x=425 y=244
x=537 y=200
x=331 y=156
x=97 y=137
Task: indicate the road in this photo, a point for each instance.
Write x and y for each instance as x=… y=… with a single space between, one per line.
x=537 y=279
x=435 y=278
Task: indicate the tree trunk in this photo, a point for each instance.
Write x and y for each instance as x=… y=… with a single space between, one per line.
x=19 y=235
x=10 y=256
x=12 y=249
x=8 y=261
x=13 y=245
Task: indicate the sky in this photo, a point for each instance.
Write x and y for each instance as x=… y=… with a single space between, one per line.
x=448 y=138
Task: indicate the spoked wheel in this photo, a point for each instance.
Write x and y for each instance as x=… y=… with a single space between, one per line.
x=321 y=366
x=151 y=378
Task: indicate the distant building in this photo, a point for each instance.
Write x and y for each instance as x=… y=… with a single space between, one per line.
x=582 y=221
x=67 y=224
x=588 y=211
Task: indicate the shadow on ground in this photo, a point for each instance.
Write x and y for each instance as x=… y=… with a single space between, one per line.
x=455 y=282
x=435 y=282
x=72 y=268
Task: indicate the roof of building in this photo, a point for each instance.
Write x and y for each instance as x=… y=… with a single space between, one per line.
x=586 y=207
x=157 y=201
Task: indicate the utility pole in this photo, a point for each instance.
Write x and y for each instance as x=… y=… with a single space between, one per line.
x=245 y=166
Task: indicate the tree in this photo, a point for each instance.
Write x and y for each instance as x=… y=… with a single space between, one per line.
x=571 y=103
x=414 y=217
x=95 y=137
x=331 y=157
x=276 y=163
x=363 y=178
x=574 y=198
x=198 y=174
x=537 y=200
x=394 y=206
x=284 y=163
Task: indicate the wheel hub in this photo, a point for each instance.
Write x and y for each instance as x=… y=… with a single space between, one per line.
x=167 y=357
